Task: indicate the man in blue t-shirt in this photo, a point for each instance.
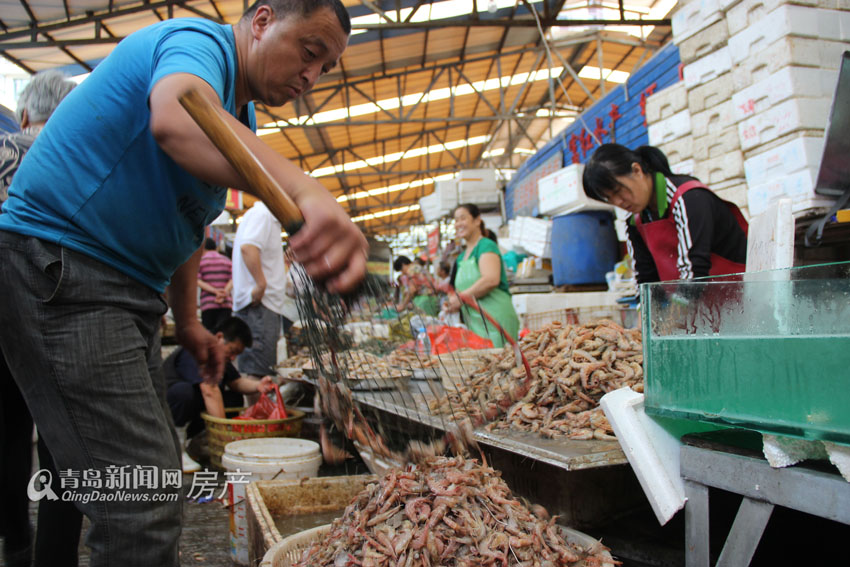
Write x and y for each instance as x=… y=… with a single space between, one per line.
x=109 y=208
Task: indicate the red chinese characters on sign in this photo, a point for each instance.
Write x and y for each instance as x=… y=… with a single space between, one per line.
x=600 y=130
x=573 y=147
x=647 y=91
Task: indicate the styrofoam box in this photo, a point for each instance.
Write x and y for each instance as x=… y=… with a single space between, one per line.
x=704 y=42
x=667 y=102
x=710 y=94
x=707 y=68
x=787 y=20
x=749 y=12
x=477 y=186
x=789 y=82
x=712 y=120
x=446 y=192
x=685 y=167
x=785 y=52
x=716 y=143
x=784 y=159
x=531 y=303
x=693 y=17
x=788 y=116
x=679 y=150
x=621 y=227
x=799 y=187
x=670 y=129
x=722 y=168
x=429 y=205
x=561 y=192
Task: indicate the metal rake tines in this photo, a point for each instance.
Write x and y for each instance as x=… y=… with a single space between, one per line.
x=385 y=394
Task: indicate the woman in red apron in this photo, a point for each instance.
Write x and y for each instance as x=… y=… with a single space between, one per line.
x=679 y=229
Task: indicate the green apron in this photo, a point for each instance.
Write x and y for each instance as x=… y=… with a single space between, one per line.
x=427 y=303
x=497 y=304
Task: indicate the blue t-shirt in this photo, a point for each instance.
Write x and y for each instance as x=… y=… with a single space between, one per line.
x=97 y=182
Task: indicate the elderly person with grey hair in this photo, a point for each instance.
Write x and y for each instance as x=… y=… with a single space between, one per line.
x=37 y=102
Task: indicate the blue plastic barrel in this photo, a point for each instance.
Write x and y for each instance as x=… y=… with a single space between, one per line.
x=584 y=247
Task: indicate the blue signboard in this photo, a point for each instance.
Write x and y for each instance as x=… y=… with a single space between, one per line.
x=618 y=117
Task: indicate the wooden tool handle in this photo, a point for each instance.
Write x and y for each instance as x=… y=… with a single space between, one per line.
x=208 y=117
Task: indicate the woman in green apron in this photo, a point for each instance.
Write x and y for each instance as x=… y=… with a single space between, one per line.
x=416 y=287
x=481 y=275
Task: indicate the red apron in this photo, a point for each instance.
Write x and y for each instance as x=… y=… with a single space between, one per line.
x=663 y=242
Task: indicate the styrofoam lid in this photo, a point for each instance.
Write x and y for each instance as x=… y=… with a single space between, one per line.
x=276 y=448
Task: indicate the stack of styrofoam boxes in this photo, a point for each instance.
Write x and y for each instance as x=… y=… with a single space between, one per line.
x=562 y=193
x=669 y=126
x=429 y=206
x=446 y=191
x=701 y=32
x=441 y=202
x=785 y=70
x=477 y=186
x=532 y=235
x=760 y=75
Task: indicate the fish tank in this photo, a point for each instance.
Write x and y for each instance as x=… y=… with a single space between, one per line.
x=768 y=351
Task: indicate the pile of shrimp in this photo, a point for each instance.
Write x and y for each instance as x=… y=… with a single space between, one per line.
x=572 y=367
x=451 y=512
x=408 y=358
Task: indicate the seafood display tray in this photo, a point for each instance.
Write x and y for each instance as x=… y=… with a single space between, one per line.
x=567 y=454
x=410 y=402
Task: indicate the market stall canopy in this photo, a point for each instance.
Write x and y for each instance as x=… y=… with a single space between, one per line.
x=425 y=88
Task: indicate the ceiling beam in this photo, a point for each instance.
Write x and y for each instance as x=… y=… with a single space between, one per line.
x=88 y=18
x=505 y=23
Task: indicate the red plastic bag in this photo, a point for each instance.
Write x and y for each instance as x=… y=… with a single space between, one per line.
x=265 y=408
x=448 y=339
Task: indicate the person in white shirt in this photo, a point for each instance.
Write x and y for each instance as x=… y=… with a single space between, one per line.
x=259 y=279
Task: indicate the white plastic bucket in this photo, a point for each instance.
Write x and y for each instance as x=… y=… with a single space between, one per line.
x=280 y=458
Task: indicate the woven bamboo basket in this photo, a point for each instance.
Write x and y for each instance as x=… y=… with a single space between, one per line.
x=221 y=431
x=289 y=551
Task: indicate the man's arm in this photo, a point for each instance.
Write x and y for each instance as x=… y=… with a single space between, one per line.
x=201 y=344
x=330 y=246
x=245 y=385
x=251 y=257
x=213 y=401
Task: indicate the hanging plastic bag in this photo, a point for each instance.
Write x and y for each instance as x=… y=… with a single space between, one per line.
x=448 y=339
x=265 y=408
